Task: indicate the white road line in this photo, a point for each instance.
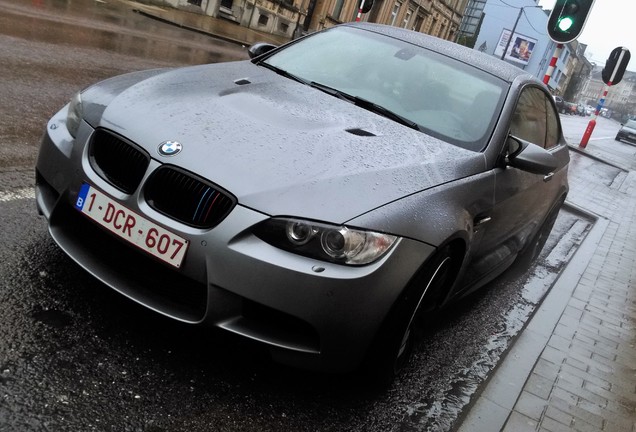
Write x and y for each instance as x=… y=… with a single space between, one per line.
x=24 y=193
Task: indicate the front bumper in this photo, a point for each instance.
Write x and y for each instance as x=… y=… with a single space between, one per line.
x=626 y=136
x=319 y=319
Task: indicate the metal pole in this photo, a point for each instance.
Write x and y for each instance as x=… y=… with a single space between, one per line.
x=592 y=124
x=512 y=33
x=552 y=66
x=360 y=11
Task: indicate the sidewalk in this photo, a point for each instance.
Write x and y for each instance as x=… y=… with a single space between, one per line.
x=574 y=366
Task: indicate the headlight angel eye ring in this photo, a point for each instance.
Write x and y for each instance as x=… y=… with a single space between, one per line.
x=332 y=243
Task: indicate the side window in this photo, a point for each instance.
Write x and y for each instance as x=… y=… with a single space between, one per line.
x=552 y=135
x=529 y=119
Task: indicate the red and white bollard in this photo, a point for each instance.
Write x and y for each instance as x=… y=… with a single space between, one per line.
x=592 y=124
x=555 y=57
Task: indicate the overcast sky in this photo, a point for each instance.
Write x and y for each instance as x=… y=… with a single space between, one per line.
x=612 y=23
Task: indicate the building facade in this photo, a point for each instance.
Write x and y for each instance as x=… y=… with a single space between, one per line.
x=621 y=98
x=471 y=23
x=291 y=18
x=528 y=47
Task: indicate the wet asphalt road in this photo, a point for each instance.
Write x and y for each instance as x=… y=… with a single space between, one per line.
x=75 y=356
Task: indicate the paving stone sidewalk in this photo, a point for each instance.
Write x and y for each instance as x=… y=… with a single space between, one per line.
x=583 y=378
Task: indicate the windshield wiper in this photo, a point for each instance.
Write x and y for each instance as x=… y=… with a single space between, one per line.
x=283 y=72
x=366 y=104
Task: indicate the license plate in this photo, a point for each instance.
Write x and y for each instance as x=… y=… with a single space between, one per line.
x=131 y=227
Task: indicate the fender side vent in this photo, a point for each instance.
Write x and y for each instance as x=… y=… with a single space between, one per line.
x=242 y=81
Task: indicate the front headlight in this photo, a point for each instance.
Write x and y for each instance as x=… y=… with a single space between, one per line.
x=74 y=116
x=338 y=244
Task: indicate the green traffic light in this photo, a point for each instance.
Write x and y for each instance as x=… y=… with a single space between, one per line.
x=567 y=19
x=565 y=23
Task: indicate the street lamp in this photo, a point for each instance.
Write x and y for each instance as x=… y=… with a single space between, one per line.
x=515 y=28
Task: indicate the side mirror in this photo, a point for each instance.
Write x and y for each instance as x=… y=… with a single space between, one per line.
x=529 y=157
x=259 y=48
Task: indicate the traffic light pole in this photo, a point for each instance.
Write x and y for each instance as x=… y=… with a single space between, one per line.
x=619 y=67
x=555 y=57
x=514 y=27
x=592 y=124
x=359 y=16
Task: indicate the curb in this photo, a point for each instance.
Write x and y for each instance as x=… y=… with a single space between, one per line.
x=577 y=149
x=194 y=29
x=496 y=402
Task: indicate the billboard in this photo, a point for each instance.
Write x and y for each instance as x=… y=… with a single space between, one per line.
x=520 y=49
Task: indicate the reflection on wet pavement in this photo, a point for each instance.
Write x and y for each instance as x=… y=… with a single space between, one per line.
x=50 y=49
x=109 y=26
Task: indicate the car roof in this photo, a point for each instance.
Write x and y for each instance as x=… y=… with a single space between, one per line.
x=485 y=62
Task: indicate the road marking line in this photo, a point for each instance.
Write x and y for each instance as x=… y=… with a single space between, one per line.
x=24 y=193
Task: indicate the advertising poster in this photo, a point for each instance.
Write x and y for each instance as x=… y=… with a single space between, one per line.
x=520 y=49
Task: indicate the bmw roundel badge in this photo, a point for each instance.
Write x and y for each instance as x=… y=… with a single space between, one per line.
x=170 y=148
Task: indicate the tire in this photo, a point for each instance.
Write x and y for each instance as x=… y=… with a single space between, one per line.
x=533 y=249
x=393 y=346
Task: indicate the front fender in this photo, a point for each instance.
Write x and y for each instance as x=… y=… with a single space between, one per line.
x=436 y=215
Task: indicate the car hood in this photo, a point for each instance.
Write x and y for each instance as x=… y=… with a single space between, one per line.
x=279 y=146
x=628 y=129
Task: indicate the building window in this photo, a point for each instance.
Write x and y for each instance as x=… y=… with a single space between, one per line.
x=407 y=18
x=564 y=57
x=283 y=26
x=337 y=9
x=395 y=11
x=417 y=25
x=262 y=20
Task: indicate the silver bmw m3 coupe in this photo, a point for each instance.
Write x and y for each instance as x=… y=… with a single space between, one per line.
x=322 y=198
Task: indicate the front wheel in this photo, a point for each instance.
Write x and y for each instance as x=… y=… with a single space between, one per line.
x=393 y=346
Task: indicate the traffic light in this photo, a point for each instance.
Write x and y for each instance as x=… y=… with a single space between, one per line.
x=366 y=7
x=567 y=19
x=615 y=66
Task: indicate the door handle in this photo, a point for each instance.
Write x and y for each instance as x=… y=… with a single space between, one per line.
x=548 y=177
x=481 y=221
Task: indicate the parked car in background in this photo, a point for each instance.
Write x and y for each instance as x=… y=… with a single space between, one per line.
x=571 y=108
x=322 y=199
x=560 y=104
x=580 y=110
x=627 y=132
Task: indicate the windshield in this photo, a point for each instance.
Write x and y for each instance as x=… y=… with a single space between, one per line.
x=442 y=96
